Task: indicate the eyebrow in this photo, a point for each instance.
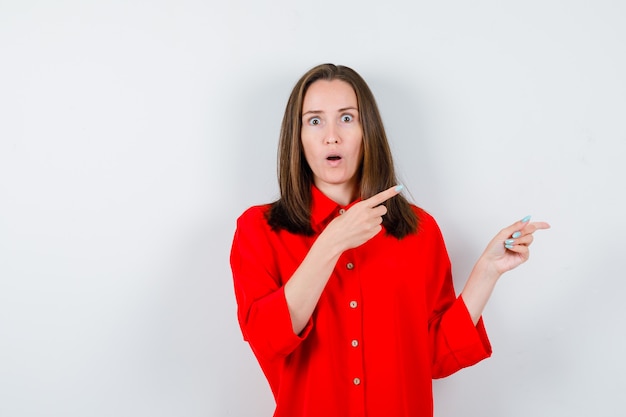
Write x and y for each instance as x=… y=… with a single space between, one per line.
x=321 y=111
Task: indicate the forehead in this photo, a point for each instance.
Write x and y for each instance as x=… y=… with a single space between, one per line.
x=324 y=95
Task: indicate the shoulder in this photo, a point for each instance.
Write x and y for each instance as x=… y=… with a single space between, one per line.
x=429 y=236
x=254 y=216
x=423 y=216
x=426 y=223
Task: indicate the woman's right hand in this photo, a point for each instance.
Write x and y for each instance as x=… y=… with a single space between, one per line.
x=361 y=222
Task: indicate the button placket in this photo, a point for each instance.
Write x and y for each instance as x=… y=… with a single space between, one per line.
x=353 y=336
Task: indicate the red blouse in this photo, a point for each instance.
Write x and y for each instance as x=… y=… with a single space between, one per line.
x=387 y=322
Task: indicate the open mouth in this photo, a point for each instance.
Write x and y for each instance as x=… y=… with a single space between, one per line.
x=333 y=158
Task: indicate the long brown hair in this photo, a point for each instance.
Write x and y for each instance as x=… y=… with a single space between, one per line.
x=292 y=212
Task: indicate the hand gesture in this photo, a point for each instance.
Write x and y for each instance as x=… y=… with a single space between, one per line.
x=361 y=222
x=509 y=248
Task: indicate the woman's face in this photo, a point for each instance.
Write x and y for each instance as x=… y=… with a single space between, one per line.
x=332 y=137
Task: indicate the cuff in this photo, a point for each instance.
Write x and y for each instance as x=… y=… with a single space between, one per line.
x=468 y=344
x=270 y=332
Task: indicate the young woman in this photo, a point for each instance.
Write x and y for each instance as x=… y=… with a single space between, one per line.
x=344 y=288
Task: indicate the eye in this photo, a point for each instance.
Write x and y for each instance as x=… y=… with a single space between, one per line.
x=347 y=118
x=314 y=121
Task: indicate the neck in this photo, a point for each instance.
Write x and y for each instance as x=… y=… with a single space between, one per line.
x=342 y=194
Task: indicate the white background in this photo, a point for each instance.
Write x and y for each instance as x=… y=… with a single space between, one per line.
x=133 y=133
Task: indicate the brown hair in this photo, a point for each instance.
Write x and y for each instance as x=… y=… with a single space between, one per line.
x=292 y=212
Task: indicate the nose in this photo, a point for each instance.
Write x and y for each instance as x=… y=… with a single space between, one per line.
x=332 y=136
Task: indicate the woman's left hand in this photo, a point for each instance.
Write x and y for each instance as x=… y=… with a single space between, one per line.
x=509 y=248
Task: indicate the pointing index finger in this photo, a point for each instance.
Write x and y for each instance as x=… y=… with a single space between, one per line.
x=383 y=196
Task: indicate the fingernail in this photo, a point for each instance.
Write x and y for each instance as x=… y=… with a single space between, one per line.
x=509 y=242
x=399 y=187
x=516 y=235
x=508 y=246
x=525 y=219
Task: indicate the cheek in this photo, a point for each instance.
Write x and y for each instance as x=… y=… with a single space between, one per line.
x=358 y=144
x=307 y=150
x=307 y=140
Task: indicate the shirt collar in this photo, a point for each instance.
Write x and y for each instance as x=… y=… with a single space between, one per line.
x=323 y=209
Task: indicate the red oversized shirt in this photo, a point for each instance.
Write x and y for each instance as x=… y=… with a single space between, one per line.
x=387 y=323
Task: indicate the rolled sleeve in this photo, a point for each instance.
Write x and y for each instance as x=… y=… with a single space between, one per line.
x=456 y=342
x=263 y=313
x=466 y=344
x=268 y=327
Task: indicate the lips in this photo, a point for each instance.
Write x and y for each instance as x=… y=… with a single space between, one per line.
x=334 y=160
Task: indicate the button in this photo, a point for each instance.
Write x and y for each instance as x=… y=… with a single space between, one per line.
x=355 y=343
x=350 y=265
x=356 y=381
x=353 y=304
x=341 y=211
